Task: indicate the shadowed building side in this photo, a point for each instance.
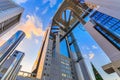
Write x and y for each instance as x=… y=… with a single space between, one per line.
x=10 y=15
x=104 y=27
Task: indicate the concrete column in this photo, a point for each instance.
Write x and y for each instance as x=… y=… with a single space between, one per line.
x=85 y=74
x=57 y=44
x=57 y=57
x=78 y=68
x=74 y=58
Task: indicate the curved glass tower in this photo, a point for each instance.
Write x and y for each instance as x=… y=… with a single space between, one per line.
x=8 y=47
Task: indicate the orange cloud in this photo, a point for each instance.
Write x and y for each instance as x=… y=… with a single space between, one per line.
x=2 y=42
x=32 y=26
x=91 y=55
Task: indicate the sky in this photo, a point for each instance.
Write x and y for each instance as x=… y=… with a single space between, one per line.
x=35 y=19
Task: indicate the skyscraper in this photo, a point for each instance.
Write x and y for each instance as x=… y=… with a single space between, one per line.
x=9 y=46
x=10 y=14
x=104 y=27
x=50 y=63
x=11 y=66
x=111 y=9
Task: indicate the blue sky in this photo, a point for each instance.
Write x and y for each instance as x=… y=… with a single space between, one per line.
x=35 y=19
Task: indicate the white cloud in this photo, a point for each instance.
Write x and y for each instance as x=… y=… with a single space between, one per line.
x=20 y=1
x=36 y=41
x=33 y=25
x=45 y=10
x=45 y=1
x=91 y=55
x=94 y=47
x=36 y=8
x=51 y=2
x=85 y=47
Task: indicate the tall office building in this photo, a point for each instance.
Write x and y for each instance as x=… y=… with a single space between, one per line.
x=11 y=67
x=10 y=14
x=9 y=46
x=111 y=9
x=50 y=64
x=104 y=27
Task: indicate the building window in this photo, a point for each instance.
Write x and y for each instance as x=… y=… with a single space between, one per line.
x=109 y=23
x=64 y=75
x=108 y=26
x=46 y=59
x=46 y=64
x=114 y=41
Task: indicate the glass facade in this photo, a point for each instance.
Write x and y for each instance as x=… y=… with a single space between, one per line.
x=11 y=42
x=6 y=4
x=108 y=26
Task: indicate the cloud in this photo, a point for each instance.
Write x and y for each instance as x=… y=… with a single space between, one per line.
x=94 y=47
x=1 y=42
x=36 y=41
x=51 y=2
x=91 y=55
x=45 y=1
x=36 y=8
x=45 y=10
x=33 y=25
x=20 y=1
x=85 y=47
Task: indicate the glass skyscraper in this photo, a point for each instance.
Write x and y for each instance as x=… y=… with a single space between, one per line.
x=108 y=26
x=104 y=27
x=9 y=46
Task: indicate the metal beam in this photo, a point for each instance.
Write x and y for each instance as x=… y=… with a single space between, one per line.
x=69 y=31
x=69 y=17
x=81 y=20
x=65 y=16
x=62 y=27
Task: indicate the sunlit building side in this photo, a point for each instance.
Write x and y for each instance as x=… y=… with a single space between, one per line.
x=50 y=63
x=11 y=66
x=9 y=46
x=103 y=26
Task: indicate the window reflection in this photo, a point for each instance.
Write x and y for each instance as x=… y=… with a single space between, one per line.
x=108 y=26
